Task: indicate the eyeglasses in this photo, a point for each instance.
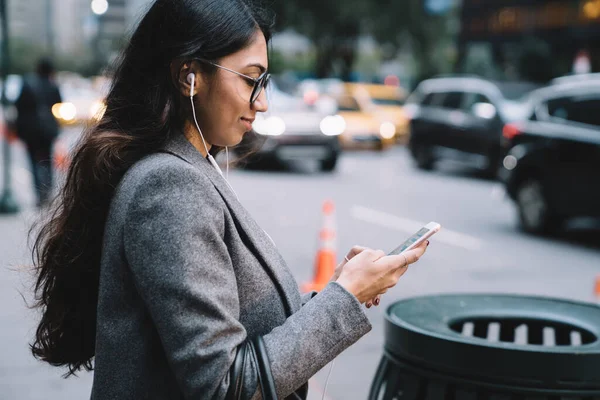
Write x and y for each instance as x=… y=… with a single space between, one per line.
x=259 y=83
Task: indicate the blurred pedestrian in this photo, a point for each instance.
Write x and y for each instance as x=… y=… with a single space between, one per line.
x=37 y=127
x=151 y=268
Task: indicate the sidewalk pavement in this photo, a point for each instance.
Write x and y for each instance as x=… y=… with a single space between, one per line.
x=21 y=376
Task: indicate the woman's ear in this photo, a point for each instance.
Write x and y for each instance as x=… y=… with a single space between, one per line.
x=182 y=74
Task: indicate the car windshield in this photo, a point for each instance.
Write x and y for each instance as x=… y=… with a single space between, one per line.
x=388 y=102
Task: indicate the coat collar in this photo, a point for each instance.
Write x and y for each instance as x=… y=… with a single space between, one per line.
x=261 y=243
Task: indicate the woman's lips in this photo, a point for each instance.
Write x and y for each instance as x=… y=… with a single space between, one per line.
x=247 y=123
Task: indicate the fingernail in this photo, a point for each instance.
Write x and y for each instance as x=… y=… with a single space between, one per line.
x=369 y=305
x=376 y=302
x=428 y=243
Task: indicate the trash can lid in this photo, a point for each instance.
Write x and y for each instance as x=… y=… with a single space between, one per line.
x=509 y=339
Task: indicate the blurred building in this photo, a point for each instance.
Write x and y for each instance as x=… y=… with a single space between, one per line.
x=50 y=25
x=558 y=31
x=70 y=25
x=112 y=28
x=116 y=25
x=69 y=29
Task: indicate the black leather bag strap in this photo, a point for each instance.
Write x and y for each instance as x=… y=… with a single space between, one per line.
x=265 y=375
x=251 y=350
x=236 y=374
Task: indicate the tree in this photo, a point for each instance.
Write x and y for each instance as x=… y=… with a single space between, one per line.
x=332 y=25
x=407 y=23
x=335 y=26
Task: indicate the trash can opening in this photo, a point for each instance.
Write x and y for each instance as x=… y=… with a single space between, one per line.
x=524 y=331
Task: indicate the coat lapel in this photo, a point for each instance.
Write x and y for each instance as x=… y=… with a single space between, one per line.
x=261 y=243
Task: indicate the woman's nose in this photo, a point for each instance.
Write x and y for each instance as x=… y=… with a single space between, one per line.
x=261 y=104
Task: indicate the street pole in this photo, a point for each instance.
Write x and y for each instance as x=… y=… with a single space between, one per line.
x=8 y=203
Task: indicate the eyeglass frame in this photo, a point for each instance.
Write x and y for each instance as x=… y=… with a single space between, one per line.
x=265 y=77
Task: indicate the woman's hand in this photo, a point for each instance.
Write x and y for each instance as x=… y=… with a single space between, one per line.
x=338 y=270
x=353 y=251
x=370 y=273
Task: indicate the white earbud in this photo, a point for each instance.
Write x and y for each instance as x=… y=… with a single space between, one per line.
x=191 y=78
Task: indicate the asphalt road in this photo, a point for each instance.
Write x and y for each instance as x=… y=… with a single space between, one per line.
x=380 y=200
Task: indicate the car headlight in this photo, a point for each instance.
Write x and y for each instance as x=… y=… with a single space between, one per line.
x=333 y=125
x=64 y=111
x=272 y=126
x=387 y=130
x=510 y=162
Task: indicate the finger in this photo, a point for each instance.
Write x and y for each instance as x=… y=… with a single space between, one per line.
x=377 y=300
x=378 y=254
x=408 y=257
x=370 y=255
x=369 y=304
x=415 y=254
x=353 y=252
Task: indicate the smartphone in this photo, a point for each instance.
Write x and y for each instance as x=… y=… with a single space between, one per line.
x=415 y=240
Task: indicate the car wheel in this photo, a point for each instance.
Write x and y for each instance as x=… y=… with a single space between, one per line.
x=534 y=212
x=424 y=157
x=329 y=164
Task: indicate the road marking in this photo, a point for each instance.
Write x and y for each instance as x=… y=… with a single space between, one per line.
x=391 y=221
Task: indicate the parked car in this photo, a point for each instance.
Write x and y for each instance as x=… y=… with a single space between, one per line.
x=292 y=130
x=576 y=78
x=388 y=101
x=461 y=118
x=552 y=165
x=365 y=126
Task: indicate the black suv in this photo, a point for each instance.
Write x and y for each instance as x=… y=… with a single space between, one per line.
x=461 y=118
x=552 y=166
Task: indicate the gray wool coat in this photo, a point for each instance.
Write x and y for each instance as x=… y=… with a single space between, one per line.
x=187 y=275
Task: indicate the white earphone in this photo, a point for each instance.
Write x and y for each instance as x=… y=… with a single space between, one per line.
x=191 y=78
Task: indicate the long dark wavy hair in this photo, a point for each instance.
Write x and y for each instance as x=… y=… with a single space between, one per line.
x=143 y=108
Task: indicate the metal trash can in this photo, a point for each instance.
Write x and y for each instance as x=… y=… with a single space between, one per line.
x=489 y=347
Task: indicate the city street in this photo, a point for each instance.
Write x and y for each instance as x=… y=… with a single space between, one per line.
x=380 y=200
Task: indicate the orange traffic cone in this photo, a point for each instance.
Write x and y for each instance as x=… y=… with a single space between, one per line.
x=597 y=289
x=326 y=257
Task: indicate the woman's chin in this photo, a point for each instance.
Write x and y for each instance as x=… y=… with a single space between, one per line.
x=234 y=141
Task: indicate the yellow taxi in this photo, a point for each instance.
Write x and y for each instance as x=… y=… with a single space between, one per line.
x=388 y=101
x=365 y=126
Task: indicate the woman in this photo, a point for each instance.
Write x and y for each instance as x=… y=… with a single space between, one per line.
x=150 y=264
